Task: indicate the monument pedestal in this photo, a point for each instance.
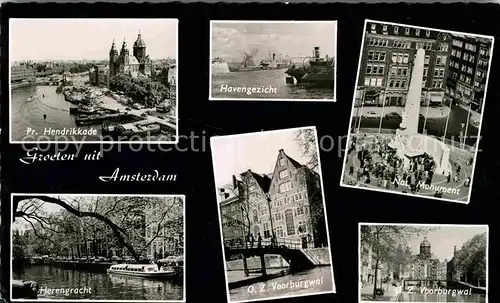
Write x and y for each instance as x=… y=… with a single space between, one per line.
x=411 y=146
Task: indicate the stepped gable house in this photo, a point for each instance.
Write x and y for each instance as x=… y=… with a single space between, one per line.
x=288 y=201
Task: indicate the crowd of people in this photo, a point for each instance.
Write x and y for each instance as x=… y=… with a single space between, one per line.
x=378 y=161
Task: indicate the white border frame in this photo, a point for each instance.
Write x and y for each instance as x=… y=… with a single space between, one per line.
x=176 y=141
x=334 y=290
x=211 y=98
x=353 y=109
x=12 y=195
x=423 y=225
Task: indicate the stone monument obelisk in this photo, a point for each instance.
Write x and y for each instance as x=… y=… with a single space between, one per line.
x=408 y=143
x=409 y=125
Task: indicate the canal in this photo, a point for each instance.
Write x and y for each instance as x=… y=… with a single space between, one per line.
x=268 y=78
x=30 y=114
x=102 y=286
x=418 y=297
x=435 y=126
x=275 y=288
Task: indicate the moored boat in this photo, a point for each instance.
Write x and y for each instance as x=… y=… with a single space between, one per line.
x=163 y=269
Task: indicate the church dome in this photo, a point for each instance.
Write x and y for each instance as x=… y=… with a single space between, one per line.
x=425 y=243
x=139 y=42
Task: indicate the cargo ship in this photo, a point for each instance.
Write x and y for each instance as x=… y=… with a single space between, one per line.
x=274 y=63
x=248 y=64
x=317 y=72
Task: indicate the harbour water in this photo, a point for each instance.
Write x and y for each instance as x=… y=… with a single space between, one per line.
x=27 y=114
x=434 y=126
x=102 y=286
x=318 y=279
x=273 y=78
x=418 y=297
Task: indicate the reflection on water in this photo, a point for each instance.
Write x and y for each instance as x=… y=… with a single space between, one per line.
x=422 y=297
x=266 y=78
x=102 y=286
x=313 y=281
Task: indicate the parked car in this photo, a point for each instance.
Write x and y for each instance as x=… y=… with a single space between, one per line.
x=391 y=116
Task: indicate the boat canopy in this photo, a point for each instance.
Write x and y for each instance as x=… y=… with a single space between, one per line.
x=135 y=267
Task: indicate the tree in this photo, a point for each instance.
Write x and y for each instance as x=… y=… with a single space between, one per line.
x=92 y=226
x=306 y=138
x=142 y=90
x=471 y=259
x=384 y=240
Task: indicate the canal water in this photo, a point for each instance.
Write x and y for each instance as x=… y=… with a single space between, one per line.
x=275 y=288
x=434 y=126
x=30 y=114
x=418 y=297
x=267 y=78
x=102 y=285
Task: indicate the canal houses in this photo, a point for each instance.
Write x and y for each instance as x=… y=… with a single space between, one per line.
x=286 y=204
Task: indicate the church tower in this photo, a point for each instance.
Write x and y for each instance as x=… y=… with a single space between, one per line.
x=113 y=56
x=139 y=48
x=125 y=54
x=425 y=248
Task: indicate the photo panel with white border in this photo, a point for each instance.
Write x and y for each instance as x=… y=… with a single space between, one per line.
x=417 y=110
x=423 y=262
x=272 y=215
x=273 y=60
x=87 y=83
x=101 y=248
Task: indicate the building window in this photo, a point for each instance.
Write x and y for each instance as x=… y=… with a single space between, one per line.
x=427 y=33
x=417 y=32
x=282 y=161
x=459 y=54
x=469 y=70
x=283 y=174
x=472 y=58
x=278 y=216
x=424 y=83
x=290 y=224
x=374 y=69
x=470 y=47
x=255 y=216
x=440 y=60
x=384 y=29
x=437 y=84
x=468 y=80
x=458 y=43
x=285 y=186
x=439 y=72
x=301 y=210
x=443 y=47
x=407 y=31
x=466 y=57
x=396 y=30
x=427 y=59
x=267 y=233
x=426 y=69
x=376 y=56
x=301 y=228
x=279 y=231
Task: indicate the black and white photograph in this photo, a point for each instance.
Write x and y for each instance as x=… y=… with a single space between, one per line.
x=274 y=227
x=273 y=60
x=423 y=263
x=417 y=111
x=103 y=248
x=97 y=80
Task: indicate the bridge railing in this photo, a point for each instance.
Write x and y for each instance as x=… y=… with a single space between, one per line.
x=265 y=243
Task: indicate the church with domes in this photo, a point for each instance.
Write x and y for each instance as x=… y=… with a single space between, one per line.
x=136 y=65
x=425 y=265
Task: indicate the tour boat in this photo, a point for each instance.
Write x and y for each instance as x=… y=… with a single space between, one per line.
x=144 y=270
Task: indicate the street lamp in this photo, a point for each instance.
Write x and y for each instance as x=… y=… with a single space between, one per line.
x=462 y=141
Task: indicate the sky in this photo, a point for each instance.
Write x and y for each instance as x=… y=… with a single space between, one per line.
x=233 y=155
x=89 y=39
x=229 y=40
x=445 y=238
